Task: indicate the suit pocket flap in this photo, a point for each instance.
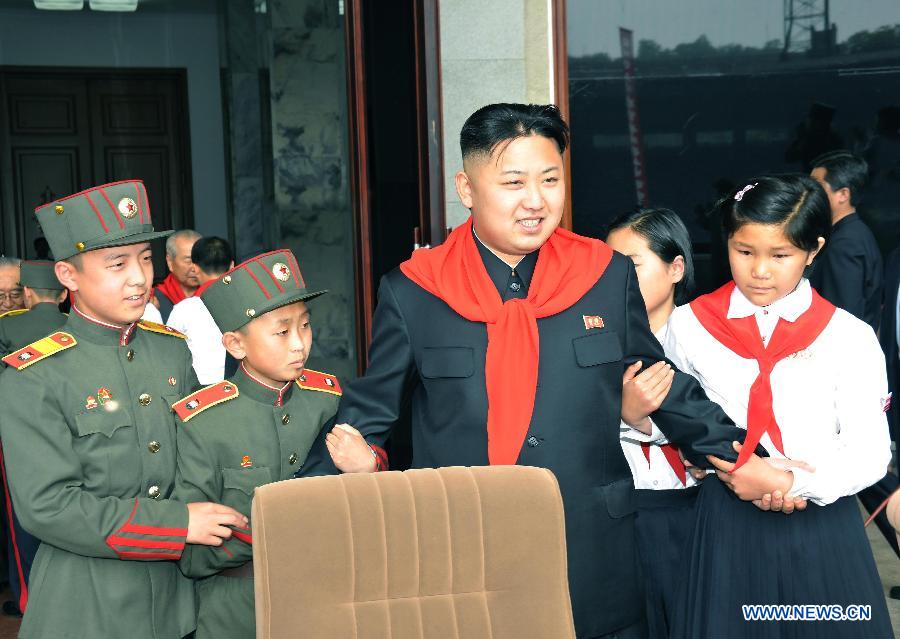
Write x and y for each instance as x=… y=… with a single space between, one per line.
x=600 y=348
x=448 y=361
x=246 y=479
x=101 y=421
x=618 y=496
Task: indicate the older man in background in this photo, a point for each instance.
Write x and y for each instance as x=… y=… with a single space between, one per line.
x=182 y=280
x=12 y=297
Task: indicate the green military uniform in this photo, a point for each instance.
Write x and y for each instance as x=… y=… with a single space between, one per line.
x=242 y=433
x=18 y=328
x=89 y=441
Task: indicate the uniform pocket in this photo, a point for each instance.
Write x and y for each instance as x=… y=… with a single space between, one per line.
x=246 y=480
x=448 y=362
x=100 y=421
x=599 y=348
x=618 y=497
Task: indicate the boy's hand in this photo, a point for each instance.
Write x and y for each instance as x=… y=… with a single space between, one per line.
x=754 y=479
x=643 y=394
x=208 y=523
x=349 y=450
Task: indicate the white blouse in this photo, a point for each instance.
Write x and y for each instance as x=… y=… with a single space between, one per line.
x=829 y=399
x=656 y=474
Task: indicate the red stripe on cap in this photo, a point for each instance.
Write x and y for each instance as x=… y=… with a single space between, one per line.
x=246 y=267
x=271 y=275
x=137 y=198
x=115 y=210
x=292 y=262
x=97 y=211
x=143 y=190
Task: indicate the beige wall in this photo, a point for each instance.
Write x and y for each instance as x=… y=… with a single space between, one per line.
x=497 y=51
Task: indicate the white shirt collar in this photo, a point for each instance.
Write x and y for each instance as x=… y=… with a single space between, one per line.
x=788 y=308
x=513 y=267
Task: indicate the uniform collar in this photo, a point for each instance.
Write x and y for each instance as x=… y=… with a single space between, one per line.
x=45 y=308
x=94 y=330
x=259 y=390
x=788 y=308
x=499 y=271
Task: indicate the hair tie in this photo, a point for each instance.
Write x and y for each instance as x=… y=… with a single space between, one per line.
x=740 y=194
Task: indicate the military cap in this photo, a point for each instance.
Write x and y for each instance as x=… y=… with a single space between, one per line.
x=39 y=274
x=113 y=214
x=259 y=285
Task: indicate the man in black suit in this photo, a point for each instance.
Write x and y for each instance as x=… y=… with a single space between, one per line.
x=511 y=340
x=848 y=273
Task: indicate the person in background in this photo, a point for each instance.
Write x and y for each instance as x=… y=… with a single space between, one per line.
x=211 y=257
x=658 y=243
x=12 y=298
x=182 y=280
x=848 y=273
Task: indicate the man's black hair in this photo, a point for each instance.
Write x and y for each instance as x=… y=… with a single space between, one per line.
x=212 y=254
x=495 y=124
x=844 y=169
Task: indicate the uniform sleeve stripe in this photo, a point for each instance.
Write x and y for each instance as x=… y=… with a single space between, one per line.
x=148 y=555
x=152 y=530
x=244 y=536
x=144 y=543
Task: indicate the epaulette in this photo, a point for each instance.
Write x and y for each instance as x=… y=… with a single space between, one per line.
x=153 y=327
x=36 y=351
x=13 y=313
x=323 y=382
x=197 y=402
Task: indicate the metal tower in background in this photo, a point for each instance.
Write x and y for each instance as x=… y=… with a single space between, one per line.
x=808 y=28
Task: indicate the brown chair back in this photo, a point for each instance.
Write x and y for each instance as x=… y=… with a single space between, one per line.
x=443 y=553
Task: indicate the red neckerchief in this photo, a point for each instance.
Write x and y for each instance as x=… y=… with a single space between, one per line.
x=670 y=452
x=741 y=335
x=568 y=266
x=171 y=288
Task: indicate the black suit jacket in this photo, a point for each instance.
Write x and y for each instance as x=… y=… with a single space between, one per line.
x=888 y=337
x=423 y=352
x=848 y=273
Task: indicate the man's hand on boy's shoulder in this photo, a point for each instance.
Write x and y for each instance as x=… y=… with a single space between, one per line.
x=349 y=450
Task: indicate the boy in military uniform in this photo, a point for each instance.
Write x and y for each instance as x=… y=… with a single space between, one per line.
x=89 y=437
x=253 y=428
x=41 y=316
x=43 y=294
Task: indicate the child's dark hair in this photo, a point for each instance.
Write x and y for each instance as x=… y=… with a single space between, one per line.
x=667 y=237
x=795 y=201
x=844 y=170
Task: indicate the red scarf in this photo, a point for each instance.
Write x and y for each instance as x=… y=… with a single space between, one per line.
x=670 y=452
x=171 y=288
x=741 y=335
x=568 y=266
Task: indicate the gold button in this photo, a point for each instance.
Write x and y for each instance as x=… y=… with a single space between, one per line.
x=59 y=209
x=144 y=399
x=154 y=492
x=286 y=419
x=251 y=312
x=226 y=279
x=293 y=458
x=129 y=355
x=79 y=246
x=153 y=447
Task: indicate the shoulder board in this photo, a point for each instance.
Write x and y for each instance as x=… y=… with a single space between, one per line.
x=196 y=403
x=36 y=351
x=323 y=382
x=17 y=311
x=153 y=327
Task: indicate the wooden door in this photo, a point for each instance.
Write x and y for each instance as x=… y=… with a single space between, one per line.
x=62 y=131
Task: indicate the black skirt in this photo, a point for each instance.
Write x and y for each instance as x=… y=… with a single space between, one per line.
x=739 y=555
x=663 y=527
